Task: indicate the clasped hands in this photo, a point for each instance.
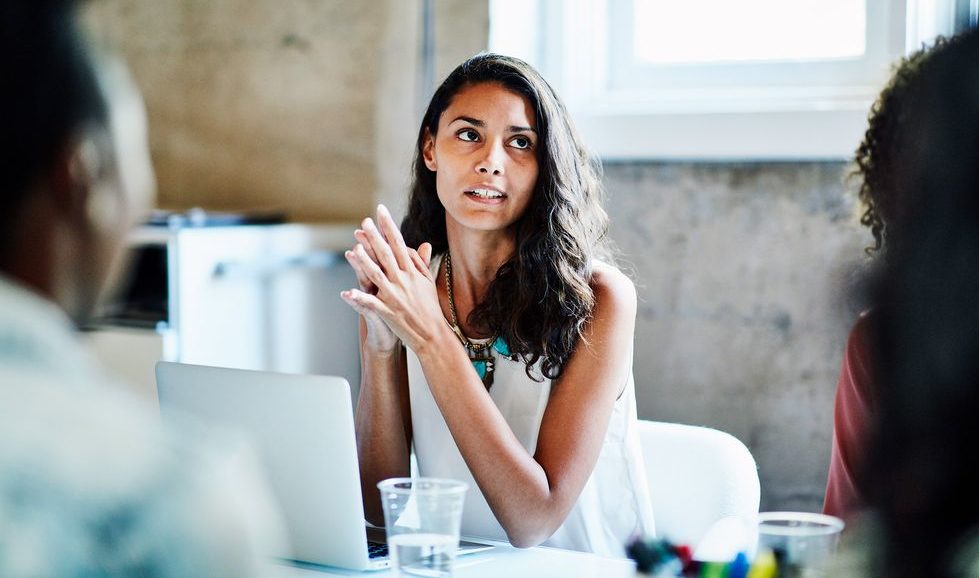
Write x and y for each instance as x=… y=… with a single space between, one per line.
x=397 y=295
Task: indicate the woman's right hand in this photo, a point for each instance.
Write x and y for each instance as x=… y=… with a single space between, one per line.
x=380 y=337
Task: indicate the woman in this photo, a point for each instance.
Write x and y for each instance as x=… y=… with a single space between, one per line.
x=878 y=169
x=516 y=367
x=921 y=466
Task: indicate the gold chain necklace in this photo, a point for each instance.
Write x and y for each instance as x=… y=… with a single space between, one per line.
x=479 y=353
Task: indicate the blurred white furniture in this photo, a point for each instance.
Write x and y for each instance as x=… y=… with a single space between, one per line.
x=252 y=297
x=704 y=488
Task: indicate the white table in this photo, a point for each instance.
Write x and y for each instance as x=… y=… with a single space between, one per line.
x=504 y=561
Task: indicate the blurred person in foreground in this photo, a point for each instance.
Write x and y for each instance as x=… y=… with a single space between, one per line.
x=922 y=477
x=91 y=483
x=881 y=193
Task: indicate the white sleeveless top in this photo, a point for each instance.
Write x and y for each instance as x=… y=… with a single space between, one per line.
x=614 y=504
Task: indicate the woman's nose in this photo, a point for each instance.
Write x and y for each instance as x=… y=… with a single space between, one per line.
x=492 y=162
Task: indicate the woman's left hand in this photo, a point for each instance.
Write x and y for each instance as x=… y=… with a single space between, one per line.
x=406 y=297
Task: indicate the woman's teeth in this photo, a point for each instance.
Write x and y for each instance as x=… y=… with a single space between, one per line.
x=486 y=194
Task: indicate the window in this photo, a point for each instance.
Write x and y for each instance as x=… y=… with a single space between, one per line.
x=715 y=79
x=742 y=31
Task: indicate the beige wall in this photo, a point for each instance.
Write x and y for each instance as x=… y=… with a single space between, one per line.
x=303 y=106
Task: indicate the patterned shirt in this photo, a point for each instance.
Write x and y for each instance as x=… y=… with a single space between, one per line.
x=93 y=484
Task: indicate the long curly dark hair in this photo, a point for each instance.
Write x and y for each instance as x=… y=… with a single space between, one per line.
x=923 y=457
x=541 y=297
x=883 y=142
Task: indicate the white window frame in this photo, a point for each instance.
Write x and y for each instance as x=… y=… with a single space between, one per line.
x=568 y=41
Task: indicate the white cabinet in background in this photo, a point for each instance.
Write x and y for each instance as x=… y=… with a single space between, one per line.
x=252 y=296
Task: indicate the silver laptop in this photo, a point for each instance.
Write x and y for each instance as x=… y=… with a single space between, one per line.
x=302 y=425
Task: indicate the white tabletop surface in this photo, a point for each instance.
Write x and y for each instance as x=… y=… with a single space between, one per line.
x=502 y=562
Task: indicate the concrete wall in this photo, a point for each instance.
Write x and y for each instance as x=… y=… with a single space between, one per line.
x=312 y=106
x=739 y=271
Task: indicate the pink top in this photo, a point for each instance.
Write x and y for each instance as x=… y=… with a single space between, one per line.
x=855 y=410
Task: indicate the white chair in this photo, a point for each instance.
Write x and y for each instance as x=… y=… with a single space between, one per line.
x=704 y=488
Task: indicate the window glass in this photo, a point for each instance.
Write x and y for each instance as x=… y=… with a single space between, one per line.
x=717 y=79
x=713 y=31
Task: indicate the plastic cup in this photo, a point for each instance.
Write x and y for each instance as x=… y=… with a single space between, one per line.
x=803 y=542
x=422 y=517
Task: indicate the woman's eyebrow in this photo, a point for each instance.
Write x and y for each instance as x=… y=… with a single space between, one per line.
x=515 y=128
x=481 y=124
x=470 y=120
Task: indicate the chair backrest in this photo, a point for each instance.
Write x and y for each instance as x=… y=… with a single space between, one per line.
x=697 y=478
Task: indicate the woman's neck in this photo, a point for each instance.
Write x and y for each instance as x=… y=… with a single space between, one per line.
x=476 y=256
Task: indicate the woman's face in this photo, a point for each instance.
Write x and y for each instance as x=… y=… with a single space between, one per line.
x=484 y=157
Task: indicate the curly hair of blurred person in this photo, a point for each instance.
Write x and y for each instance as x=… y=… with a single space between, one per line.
x=540 y=299
x=923 y=474
x=880 y=167
x=886 y=136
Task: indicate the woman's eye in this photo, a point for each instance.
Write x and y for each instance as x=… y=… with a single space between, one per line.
x=469 y=135
x=521 y=142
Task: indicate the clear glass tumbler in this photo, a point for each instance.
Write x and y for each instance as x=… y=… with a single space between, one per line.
x=422 y=517
x=803 y=542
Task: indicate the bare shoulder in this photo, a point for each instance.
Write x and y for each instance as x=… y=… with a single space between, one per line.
x=613 y=290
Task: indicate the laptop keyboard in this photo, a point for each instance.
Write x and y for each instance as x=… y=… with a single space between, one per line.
x=376 y=550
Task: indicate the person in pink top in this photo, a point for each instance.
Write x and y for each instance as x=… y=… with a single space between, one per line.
x=919 y=470
x=856 y=404
x=854 y=411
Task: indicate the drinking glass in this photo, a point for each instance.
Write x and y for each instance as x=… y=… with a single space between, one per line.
x=803 y=542
x=422 y=517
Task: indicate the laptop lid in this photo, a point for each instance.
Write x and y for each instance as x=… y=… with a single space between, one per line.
x=302 y=426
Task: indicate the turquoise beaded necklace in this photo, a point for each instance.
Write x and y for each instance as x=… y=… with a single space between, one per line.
x=480 y=354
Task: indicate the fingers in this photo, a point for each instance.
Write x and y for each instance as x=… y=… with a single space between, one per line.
x=362 y=280
x=422 y=259
x=367 y=269
x=393 y=235
x=419 y=263
x=365 y=303
x=351 y=299
x=383 y=254
x=361 y=237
